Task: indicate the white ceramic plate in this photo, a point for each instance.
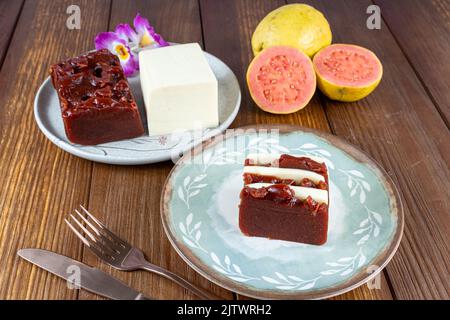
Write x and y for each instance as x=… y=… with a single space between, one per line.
x=144 y=149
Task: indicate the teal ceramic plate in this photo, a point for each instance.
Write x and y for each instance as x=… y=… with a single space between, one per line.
x=199 y=208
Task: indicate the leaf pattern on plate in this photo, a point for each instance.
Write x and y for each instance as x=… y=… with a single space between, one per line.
x=356 y=182
x=191 y=188
x=139 y=144
x=219 y=157
x=346 y=265
x=290 y=282
x=191 y=232
x=369 y=227
x=265 y=145
x=229 y=269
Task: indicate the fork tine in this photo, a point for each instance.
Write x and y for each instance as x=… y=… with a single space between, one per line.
x=102 y=241
x=103 y=238
x=106 y=249
x=104 y=228
x=83 y=228
x=98 y=252
x=96 y=246
x=112 y=245
x=92 y=217
x=78 y=234
x=115 y=238
x=87 y=222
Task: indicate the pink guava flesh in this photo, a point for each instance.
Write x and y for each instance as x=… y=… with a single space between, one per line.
x=348 y=65
x=281 y=79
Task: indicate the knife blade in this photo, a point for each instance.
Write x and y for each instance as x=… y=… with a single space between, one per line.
x=89 y=278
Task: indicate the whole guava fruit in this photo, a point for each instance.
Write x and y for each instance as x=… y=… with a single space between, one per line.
x=347 y=72
x=297 y=25
x=281 y=79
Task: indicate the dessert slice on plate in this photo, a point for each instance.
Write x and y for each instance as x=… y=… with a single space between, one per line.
x=285 y=197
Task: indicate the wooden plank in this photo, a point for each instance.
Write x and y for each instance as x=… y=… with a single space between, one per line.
x=399 y=126
x=127 y=198
x=9 y=13
x=426 y=43
x=235 y=22
x=40 y=183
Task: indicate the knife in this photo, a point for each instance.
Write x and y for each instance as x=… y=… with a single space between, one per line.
x=90 y=278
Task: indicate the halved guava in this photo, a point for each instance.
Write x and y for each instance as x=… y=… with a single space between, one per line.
x=347 y=72
x=281 y=79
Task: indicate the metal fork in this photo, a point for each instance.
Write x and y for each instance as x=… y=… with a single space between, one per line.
x=120 y=254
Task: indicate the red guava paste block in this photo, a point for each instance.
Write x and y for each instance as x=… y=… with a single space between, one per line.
x=97 y=105
x=273 y=212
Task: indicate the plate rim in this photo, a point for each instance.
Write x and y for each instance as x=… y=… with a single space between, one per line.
x=381 y=260
x=74 y=150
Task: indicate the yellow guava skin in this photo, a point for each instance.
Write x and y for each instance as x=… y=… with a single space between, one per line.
x=296 y=25
x=343 y=93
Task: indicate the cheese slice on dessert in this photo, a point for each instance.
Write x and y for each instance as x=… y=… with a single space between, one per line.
x=318 y=195
x=179 y=88
x=285 y=173
x=272 y=158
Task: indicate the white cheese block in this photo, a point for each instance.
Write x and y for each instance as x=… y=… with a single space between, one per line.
x=270 y=158
x=318 y=195
x=285 y=173
x=179 y=88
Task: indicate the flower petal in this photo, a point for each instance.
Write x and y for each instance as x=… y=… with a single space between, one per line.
x=128 y=59
x=107 y=40
x=146 y=33
x=126 y=32
x=141 y=24
x=130 y=66
x=118 y=46
x=159 y=40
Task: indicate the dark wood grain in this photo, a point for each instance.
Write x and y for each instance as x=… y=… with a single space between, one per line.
x=127 y=198
x=399 y=126
x=422 y=29
x=40 y=184
x=9 y=13
x=234 y=48
x=403 y=125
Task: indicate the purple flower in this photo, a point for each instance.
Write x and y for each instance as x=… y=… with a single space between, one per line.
x=118 y=46
x=126 y=41
x=145 y=34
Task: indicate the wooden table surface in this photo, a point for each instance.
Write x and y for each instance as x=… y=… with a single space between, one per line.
x=404 y=125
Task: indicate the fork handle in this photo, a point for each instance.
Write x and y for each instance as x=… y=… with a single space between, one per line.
x=199 y=292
